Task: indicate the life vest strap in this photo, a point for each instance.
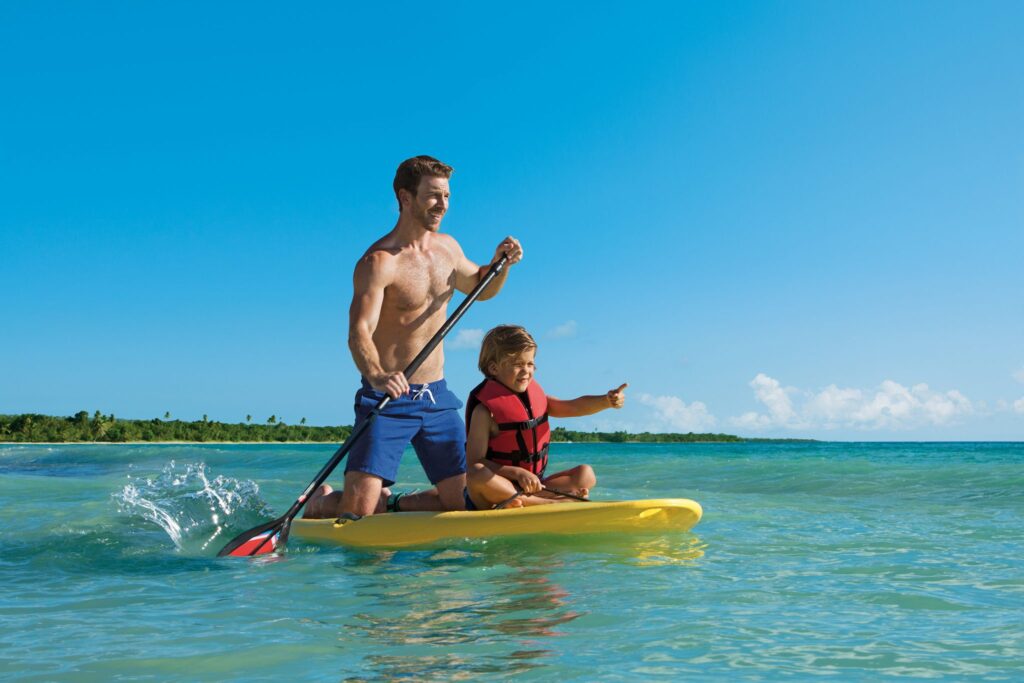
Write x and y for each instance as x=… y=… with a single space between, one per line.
x=520 y=456
x=523 y=426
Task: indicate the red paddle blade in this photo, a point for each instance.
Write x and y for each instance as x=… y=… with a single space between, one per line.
x=257 y=545
x=261 y=540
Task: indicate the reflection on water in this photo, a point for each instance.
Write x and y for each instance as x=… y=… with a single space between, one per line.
x=532 y=591
x=491 y=607
x=496 y=623
x=445 y=667
x=667 y=550
x=658 y=550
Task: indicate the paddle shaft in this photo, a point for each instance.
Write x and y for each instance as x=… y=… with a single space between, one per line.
x=361 y=427
x=520 y=492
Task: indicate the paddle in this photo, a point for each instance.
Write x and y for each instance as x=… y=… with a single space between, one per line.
x=519 y=492
x=268 y=537
x=565 y=494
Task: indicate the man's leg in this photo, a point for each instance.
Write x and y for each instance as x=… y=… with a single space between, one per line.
x=441 y=447
x=447 y=495
x=374 y=458
x=325 y=503
x=362 y=493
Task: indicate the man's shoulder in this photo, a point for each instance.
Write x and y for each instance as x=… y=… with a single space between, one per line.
x=379 y=259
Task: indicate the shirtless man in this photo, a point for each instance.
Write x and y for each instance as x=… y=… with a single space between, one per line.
x=402 y=287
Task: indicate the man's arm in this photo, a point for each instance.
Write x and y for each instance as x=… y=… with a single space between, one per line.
x=372 y=276
x=587 y=405
x=468 y=274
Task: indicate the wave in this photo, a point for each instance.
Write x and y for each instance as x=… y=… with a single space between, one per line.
x=189 y=505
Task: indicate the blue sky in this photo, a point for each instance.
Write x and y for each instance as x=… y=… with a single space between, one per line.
x=771 y=219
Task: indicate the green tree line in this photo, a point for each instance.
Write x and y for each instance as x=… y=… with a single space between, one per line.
x=81 y=427
x=110 y=429
x=562 y=434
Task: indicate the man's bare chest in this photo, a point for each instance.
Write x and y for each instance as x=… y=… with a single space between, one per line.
x=420 y=281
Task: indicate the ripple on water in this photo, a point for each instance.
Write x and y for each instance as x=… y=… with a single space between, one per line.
x=846 y=560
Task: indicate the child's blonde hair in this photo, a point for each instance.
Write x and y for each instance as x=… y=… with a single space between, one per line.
x=502 y=342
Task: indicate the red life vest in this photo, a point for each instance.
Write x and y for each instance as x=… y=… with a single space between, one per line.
x=522 y=420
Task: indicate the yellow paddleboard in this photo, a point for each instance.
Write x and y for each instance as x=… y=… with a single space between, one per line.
x=402 y=529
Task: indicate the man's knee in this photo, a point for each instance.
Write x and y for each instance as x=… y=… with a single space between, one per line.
x=362 y=491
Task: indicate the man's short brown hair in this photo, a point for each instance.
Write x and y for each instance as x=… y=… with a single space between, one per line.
x=409 y=172
x=501 y=343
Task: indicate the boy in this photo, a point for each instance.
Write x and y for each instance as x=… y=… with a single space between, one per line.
x=507 y=434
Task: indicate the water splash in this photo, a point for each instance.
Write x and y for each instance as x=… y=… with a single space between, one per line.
x=188 y=505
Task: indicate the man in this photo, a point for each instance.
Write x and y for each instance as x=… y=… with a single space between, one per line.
x=402 y=287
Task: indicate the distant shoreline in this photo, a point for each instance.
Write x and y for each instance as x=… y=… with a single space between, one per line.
x=327 y=443
x=33 y=428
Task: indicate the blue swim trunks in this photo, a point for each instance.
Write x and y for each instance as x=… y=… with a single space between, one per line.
x=428 y=417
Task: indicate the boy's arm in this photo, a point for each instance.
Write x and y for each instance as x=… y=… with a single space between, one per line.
x=587 y=405
x=478 y=436
x=476 y=451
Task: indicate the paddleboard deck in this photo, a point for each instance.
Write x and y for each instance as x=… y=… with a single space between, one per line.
x=397 y=530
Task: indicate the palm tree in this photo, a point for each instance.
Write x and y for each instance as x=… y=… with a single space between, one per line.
x=100 y=425
x=302 y=421
x=167 y=415
x=248 y=418
x=272 y=419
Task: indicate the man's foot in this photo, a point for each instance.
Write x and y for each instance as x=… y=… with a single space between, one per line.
x=325 y=503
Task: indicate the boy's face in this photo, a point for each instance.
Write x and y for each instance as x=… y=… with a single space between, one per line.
x=515 y=372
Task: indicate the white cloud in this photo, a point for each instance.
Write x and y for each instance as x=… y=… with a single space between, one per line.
x=776 y=398
x=566 y=329
x=467 y=339
x=751 y=420
x=1019 y=375
x=1018 y=406
x=890 y=406
x=677 y=415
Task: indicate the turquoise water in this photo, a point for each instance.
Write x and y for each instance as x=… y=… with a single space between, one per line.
x=852 y=561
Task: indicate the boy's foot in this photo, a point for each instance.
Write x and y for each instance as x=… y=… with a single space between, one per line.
x=325 y=503
x=567 y=495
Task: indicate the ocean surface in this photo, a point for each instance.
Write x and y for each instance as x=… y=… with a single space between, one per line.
x=848 y=561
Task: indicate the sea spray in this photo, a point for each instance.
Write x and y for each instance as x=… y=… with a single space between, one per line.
x=190 y=507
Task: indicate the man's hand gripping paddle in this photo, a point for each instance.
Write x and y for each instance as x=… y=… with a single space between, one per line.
x=271 y=536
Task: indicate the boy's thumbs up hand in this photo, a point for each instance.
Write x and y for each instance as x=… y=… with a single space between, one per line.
x=616 y=397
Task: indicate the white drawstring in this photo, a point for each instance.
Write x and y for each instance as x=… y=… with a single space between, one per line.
x=424 y=391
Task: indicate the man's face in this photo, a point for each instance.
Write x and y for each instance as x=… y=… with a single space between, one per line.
x=430 y=203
